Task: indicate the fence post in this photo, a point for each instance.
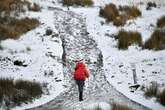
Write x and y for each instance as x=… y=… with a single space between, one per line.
x=134 y=73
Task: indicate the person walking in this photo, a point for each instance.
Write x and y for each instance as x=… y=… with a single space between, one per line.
x=80 y=75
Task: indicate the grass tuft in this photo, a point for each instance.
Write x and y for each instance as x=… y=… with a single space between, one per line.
x=78 y=2
x=35 y=7
x=130 y=11
x=116 y=106
x=161 y=97
x=13 y=28
x=152 y=90
x=126 y=39
x=119 y=16
x=97 y=108
x=110 y=12
x=156 y=41
x=16 y=92
x=16 y=6
x=120 y=20
x=161 y=22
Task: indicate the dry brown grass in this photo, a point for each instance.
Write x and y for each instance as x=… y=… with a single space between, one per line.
x=161 y=22
x=126 y=39
x=16 y=92
x=161 y=97
x=17 y=6
x=116 y=106
x=120 y=20
x=130 y=11
x=152 y=90
x=35 y=7
x=8 y=6
x=156 y=41
x=110 y=12
x=10 y=27
x=13 y=28
x=78 y=2
x=97 y=108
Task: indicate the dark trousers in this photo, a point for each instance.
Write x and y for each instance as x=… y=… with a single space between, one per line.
x=80 y=84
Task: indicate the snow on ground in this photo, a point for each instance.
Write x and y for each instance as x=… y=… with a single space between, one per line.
x=42 y=54
x=96 y=105
x=118 y=64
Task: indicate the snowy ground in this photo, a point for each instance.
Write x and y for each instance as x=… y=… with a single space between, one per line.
x=149 y=65
x=40 y=52
x=46 y=52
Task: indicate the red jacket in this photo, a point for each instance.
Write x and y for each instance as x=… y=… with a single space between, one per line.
x=81 y=72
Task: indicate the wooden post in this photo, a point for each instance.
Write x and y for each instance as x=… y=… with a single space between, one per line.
x=134 y=73
x=134 y=76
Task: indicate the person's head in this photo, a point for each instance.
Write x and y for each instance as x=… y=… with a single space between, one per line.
x=79 y=61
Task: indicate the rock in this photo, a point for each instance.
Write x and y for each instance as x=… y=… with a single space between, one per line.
x=49 y=32
x=55 y=35
x=134 y=87
x=58 y=80
x=143 y=76
x=19 y=63
x=149 y=64
x=150 y=5
x=119 y=82
x=48 y=73
x=121 y=66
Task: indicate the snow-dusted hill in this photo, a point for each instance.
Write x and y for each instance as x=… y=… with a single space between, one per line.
x=43 y=54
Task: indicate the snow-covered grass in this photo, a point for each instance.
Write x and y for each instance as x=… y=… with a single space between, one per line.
x=161 y=97
x=119 y=15
x=125 y=39
x=14 y=28
x=41 y=53
x=156 y=41
x=16 y=92
x=161 y=22
x=97 y=106
x=116 y=106
x=152 y=90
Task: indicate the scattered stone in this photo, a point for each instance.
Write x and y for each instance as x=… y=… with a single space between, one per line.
x=121 y=66
x=134 y=87
x=19 y=63
x=58 y=80
x=119 y=82
x=28 y=48
x=154 y=59
x=1 y=48
x=152 y=25
x=48 y=73
x=49 y=32
x=150 y=5
x=102 y=23
x=154 y=72
x=149 y=64
x=55 y=35
x=65 y=86
x=143 y=76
